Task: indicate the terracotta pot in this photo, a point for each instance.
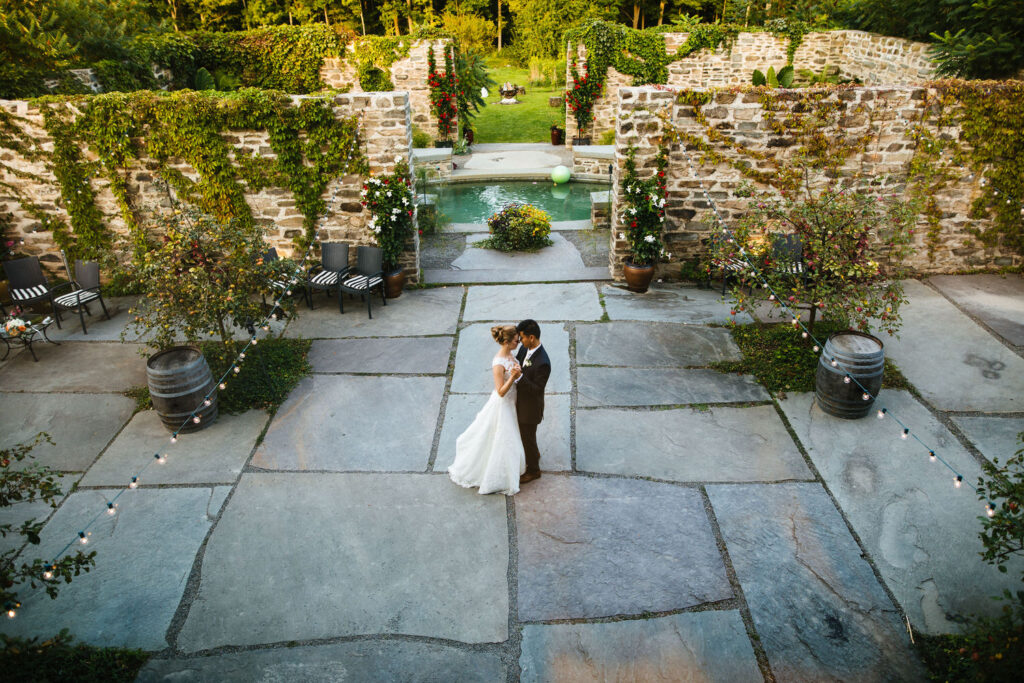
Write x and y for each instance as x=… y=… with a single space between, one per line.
x=557 y=136
x=638 y=278
x=394 y=282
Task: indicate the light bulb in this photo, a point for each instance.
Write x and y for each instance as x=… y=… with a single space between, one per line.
x=134 y=483
x=47 y=574
x=804 y=335
x=289 y=292
x=161 y=458
x=905 y=434
x=195 y=419
x=815 y=349
x=82 y=538
x=846 y=380
x=237 y=369
x=881 y=413
x=111 y=509
x=207 y=402
x=174 y=439
x=835 y=363
x=241 y=356
x=223 y=386
x=266 y=328
x=990 y=510
x=11 y=614
x=866 y=396
x=771 y=297
x=931 y=456
x=957 y=480
x=255 y=341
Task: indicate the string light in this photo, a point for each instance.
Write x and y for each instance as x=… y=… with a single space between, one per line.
x=12 y=609
x=195 y=419
x=48 y=572
x=134 y=483
x=931 y=455
x=111 y=509
x=223 y=386
x=957 y=481
x=83 y=538
x=866 y=396
x=160 y=458
x=846 y=379
x=882 y=412
x=990 y=510
x=905 y=434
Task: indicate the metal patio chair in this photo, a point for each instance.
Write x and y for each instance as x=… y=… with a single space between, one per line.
x=86 y=281
x=27 y=284
x=368 y=273
x=328 y=274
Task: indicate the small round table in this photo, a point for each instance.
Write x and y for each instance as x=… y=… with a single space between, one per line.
x=32 y=333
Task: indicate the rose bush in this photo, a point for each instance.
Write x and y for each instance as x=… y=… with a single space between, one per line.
x=580 y=97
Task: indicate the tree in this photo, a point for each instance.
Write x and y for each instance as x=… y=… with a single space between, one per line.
x=540 y=25
x=21 y=482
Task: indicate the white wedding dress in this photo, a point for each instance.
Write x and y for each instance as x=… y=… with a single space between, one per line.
x=489 y=454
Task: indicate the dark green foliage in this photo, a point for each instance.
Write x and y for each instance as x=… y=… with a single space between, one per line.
x=203 y=80
x=1003 y=487
x=472 y=73
x=782 y=79
x=518 y=227
x=56 y=660
x=372 y=78
x=271 y=370
x=783 y=361
x=140 y=394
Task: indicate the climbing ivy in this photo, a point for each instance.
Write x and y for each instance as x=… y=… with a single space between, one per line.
x=311 y=146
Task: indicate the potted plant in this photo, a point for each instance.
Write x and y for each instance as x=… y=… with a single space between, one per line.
x=580 y=99
x=643 y=217
x=557 y=135
x=518 y=227
x=852 y=244
x=390 y=201
x=200 y=277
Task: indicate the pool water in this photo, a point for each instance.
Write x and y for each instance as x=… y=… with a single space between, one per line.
x=476 y=202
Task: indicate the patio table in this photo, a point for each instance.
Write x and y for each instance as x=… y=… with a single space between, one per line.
x=32 y=333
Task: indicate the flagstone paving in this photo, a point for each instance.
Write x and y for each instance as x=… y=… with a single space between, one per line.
x=996 y=437
x=997 y=300
x=703 y=646
x=269 y=576
x=88 y=423
x=954 y=363
x=687 y=526
x=905 y=508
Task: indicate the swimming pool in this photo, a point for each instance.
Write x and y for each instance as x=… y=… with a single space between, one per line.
x=476 y=202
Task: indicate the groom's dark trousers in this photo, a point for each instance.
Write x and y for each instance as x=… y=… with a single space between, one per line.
x=530 y=402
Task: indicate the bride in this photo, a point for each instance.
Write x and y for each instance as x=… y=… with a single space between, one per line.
x=489 y=454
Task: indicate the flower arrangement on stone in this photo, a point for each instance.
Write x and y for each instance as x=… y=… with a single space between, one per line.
x=643 y=213
x=14 y=326
x=580 y=97
x=518 y=227
x=851 y=244
x=389 y=200
x=444 y=92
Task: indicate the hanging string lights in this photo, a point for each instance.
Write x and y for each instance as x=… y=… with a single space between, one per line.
x=110 y=507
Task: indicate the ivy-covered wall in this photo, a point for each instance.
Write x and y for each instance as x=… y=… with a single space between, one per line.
x=958 y=146
x=82 y=173
x=402 y=65
x=715 y=61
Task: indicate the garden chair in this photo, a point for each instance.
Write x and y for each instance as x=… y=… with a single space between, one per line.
x=86 y=280
x=328 y=274
x=277 y=285
x=368 y=273
x=27 y=284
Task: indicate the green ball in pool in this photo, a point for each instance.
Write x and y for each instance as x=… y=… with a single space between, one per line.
x=560 y=174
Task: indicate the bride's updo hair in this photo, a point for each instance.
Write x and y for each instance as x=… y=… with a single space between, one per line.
x=503 y=334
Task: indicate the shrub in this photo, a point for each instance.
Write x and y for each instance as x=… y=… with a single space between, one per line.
x=27 y=660
x=518 y=227
x=471 y=31
x=389 y=199
x=271 y=370
x=420 y=138
x=372 y=78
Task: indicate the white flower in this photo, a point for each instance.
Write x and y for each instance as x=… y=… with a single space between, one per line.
x=649 y=239
x=622 y=235
x=405 y=201
x=661 y=202
x=661 y=218
x=398 y=159
x=376 y=229
x=394 y=210
x=668 y=255
x=389 y=193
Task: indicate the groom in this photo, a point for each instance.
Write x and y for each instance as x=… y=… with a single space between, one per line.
x=530 y=393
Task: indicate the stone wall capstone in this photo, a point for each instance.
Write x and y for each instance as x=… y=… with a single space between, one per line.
x=385 y=136
x=874 y=59
x=642 y=117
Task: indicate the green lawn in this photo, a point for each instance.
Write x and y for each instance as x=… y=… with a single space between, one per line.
x=529 y=121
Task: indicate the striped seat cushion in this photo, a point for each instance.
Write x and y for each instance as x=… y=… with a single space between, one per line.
x=325 y=278
x=279 y=284
x=734 y=264
x=362 y=282
x=33 y=292
x=71 y=300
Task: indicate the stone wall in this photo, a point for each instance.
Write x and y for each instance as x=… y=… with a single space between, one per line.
x=409 y=74
x=739 y=116
x=874 y=59
x=592 y=162
x=385 y=135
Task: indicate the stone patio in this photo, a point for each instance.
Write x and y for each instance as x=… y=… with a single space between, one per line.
x=688 y=525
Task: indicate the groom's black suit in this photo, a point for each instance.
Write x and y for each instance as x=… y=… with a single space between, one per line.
x=530 y=402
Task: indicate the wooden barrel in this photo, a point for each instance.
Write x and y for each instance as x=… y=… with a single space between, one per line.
x=863 y=358
x=179 y=380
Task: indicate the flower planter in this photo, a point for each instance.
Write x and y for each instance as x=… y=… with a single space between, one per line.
x=638 y=278
x=862 y=357
x=394 y=282
x=179 y=379
x=443 y=143
x=557 y=136
x=581 y=141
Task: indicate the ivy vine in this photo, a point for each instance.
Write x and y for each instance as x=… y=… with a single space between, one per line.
x=312 y=146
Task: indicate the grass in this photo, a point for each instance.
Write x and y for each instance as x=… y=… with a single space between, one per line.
x=529 y=121
x=56 y=659
x=783 y=361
